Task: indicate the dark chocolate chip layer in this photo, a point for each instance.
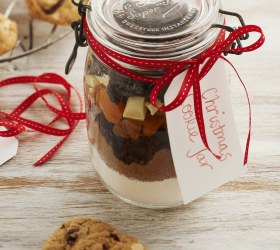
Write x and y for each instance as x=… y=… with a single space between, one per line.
x=129 y=151
x=121 y=87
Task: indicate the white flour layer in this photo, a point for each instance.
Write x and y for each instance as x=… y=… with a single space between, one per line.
x=164 y=193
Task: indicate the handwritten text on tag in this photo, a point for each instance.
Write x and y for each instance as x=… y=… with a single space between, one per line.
x=198 y=171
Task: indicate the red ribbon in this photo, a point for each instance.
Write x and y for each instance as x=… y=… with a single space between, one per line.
x=17 y=124
x=193 y=76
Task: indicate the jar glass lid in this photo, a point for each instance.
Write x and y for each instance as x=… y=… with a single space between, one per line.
x=149 y=28
x=154 y=17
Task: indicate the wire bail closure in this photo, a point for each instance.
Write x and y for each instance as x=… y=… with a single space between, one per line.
x=238 y=43
x=80 y=36
x=81 y=40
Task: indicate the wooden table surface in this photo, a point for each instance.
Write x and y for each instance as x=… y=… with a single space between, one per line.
x=244 y=214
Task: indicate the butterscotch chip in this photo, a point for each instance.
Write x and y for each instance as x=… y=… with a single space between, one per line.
x=85 y=233
x=62 y=12
x=8 y=34
x=113 y=112
x=152 y=124
x=128 y=128
x=132 y=127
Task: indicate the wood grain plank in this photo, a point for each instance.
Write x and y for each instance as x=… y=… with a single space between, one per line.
x=243 y=215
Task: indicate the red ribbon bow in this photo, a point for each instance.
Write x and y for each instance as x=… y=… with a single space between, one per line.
x=17 y=124
x=193 y=76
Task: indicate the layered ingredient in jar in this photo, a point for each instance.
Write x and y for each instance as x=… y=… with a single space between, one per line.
x=128 y=135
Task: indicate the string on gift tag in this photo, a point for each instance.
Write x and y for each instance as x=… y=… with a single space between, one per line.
x=16 y=124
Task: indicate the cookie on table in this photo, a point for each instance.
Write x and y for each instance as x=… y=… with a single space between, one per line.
x=61 y=12
x=8 y=34
x=85 y=233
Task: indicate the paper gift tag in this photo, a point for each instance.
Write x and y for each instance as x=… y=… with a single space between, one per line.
x=198 y=171
x=8 y=147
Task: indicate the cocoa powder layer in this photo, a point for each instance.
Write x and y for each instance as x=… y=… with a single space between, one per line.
x=159 y=168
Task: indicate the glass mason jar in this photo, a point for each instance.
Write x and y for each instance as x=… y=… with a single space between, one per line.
x=129 y=142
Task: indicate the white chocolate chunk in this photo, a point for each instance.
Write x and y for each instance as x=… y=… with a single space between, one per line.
x=135 y=108
x=152 y=108
x=92 y=81
x=103 y=79
x=91 y=93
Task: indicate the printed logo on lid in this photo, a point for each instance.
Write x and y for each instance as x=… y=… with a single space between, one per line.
x=154 y=17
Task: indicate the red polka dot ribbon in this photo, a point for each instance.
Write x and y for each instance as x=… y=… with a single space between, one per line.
x=17 y=124
x=198 y=67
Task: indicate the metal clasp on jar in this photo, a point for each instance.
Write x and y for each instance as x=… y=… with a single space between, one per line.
x=238 y=43
x=80 y=37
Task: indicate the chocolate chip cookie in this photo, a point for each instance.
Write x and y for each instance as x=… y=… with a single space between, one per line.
x=8 y=34
x=61 y=12
x=85 y=233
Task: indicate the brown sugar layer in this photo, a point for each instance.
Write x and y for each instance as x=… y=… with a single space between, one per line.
x=159 y=166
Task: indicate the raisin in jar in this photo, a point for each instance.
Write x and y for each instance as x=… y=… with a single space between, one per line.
x=128 y=136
